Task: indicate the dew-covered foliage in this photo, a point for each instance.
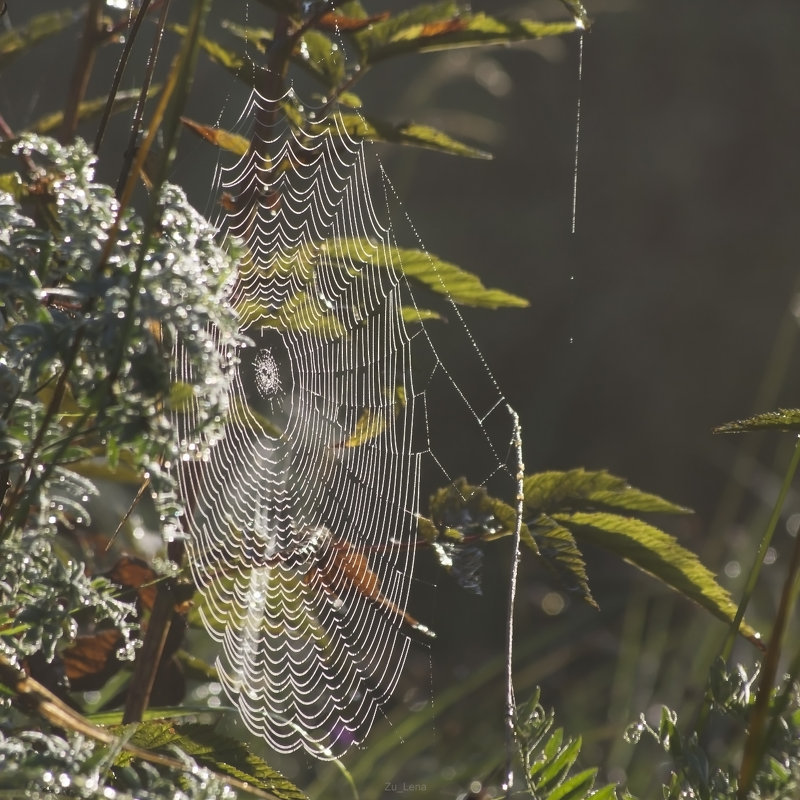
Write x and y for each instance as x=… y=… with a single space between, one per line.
x=93 y=301
x=42 y=596
x=92 y=307
x=700 y=771
x=35 y=764
x=118 y=354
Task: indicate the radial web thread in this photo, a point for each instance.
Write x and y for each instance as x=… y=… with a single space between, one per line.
x=302 y=521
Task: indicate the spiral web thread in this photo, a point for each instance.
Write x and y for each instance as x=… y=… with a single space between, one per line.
x=302 y=527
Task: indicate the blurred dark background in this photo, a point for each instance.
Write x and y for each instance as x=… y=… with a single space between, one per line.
x=670 y=309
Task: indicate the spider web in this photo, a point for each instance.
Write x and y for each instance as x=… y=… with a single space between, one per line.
x=303 y=520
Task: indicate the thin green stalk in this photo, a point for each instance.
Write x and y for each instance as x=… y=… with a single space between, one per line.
x=169 y=110
x=752 y=579
x=756 y=740
x=766 y=540
x=138 y=116
x=120 y=71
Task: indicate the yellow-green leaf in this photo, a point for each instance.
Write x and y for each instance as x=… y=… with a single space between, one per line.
x=560 y=553
x=17 y=40
x=240 y=67
x=225 y=756
x=412 y=314
x=582 y=490
x=92 y=108
x=315 y=52
x=373 y=421
x=784 y=419
x=460 y=286
x=370 y=129
x=445 y=26
x=225 y=140
x=658 y=554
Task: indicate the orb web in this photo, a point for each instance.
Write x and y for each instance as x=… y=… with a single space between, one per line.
x=302 y=520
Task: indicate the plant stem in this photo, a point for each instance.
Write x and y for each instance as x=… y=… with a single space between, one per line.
x=756 y=741
x=511 y=710
x=138 y=116
x=148 y=659
x=92 y=35
x=120 y=71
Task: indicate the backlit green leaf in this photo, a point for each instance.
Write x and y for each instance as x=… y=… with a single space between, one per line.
x=370 y=129
x=17 y=40
x=557 y=547
x=92 y=108
x=315 y=52
x=412 y=314
x=784 y=419
x=223 y=755
x=445 y=26
x=461 y=286
x=239 y=66
x=582 y=490
x=657 y=553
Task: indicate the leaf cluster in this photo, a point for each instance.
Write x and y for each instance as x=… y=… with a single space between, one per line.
x=91 y=310
x=548 y=758
x=701 y=771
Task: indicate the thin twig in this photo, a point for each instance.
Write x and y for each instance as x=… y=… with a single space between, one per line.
x=33 y=698
x=120 y=71
x=138 y=117
x=148 y=658
x=83 y=68
x=756 y=740
x=511 y=709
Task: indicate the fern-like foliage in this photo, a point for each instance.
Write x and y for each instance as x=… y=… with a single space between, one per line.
x=549 y=759
x=699 y=772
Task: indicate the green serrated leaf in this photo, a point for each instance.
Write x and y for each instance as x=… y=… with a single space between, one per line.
x=446 y=26
x=412 y=315
x=92 y=108
x=472 y=510
x=608 y=792
x=578 y=489
x=439 y=276
x=227 y=756
x=658 y=554
x=17 y=40
x=223 y=755
x=370 y=129
x=300 y=313
x=784 y=419
x=557 y=547
x=239 y=66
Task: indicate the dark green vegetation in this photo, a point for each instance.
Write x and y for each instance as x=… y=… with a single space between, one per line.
x=97 y=286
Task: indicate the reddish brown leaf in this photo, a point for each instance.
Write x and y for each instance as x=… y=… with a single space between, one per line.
x=217 y=136
x=133 y=573
x=440 y=28
x=338 y=22
x=91 y=660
